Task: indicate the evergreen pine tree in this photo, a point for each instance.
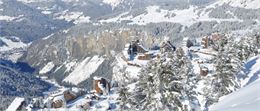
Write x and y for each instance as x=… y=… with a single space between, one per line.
x=166 y=84
x=246 y=48
x=227 y=65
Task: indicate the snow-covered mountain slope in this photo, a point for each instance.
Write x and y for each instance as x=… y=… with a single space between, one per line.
x=248 y=4
x=10 y=18
x=15 y=104
x=12 y=48
x=248 y=97
x=47 y=68
x=245 y=99
x=32 y=1
x=84 y=70
x=16 y=15
x=154 y=14
x=251 y=72
x=186 y=16
x=74 y=11
x=113 y=3
x=11 y=43
x=76 y=17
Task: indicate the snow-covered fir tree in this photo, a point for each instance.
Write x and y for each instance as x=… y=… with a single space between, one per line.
x=256 y=40
x=227 y=65
x=123 y=94
x=246 y=47
x=166 y=83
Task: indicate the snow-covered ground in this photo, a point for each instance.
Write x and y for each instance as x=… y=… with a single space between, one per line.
x=12 y=48
x=128 y=66
x=248 y=4
x=103 y=104
x=78 y=17
x=15 y=104
x=113 y=3
x=10 y=18
x=199 y=59
x=7 y=18
x=32 y=1
x=121 y=68
x=186 y=17
x=47 y=37
x=46 y=12
x=84 y=69
x=69 y=66
x=10 y=45
x=251 y=71
x=248 y=97
x=47 y=68
x=89 y=100
x=245 y=99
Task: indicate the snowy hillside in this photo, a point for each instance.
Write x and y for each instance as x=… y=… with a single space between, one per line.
x=10 y=43
x=15 y=104
x=47 y=68
x=32 y=1
x=251 y=72
x=186 y=17
x=16 y=15
x=248 y=97
x=76 y=17
x=245 y=99
x=84 y=69
x=113 y=3
x=249 y=4
x=12 y=48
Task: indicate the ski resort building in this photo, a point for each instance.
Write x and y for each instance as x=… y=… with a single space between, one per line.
x=135 y=54
x=135 y=47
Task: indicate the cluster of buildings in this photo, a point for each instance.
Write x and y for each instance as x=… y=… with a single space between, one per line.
x=204 y=51
x=62 y=97
x=200 y=50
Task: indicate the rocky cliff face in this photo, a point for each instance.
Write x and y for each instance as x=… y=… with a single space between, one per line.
x=78 y=43
x=62 y=46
